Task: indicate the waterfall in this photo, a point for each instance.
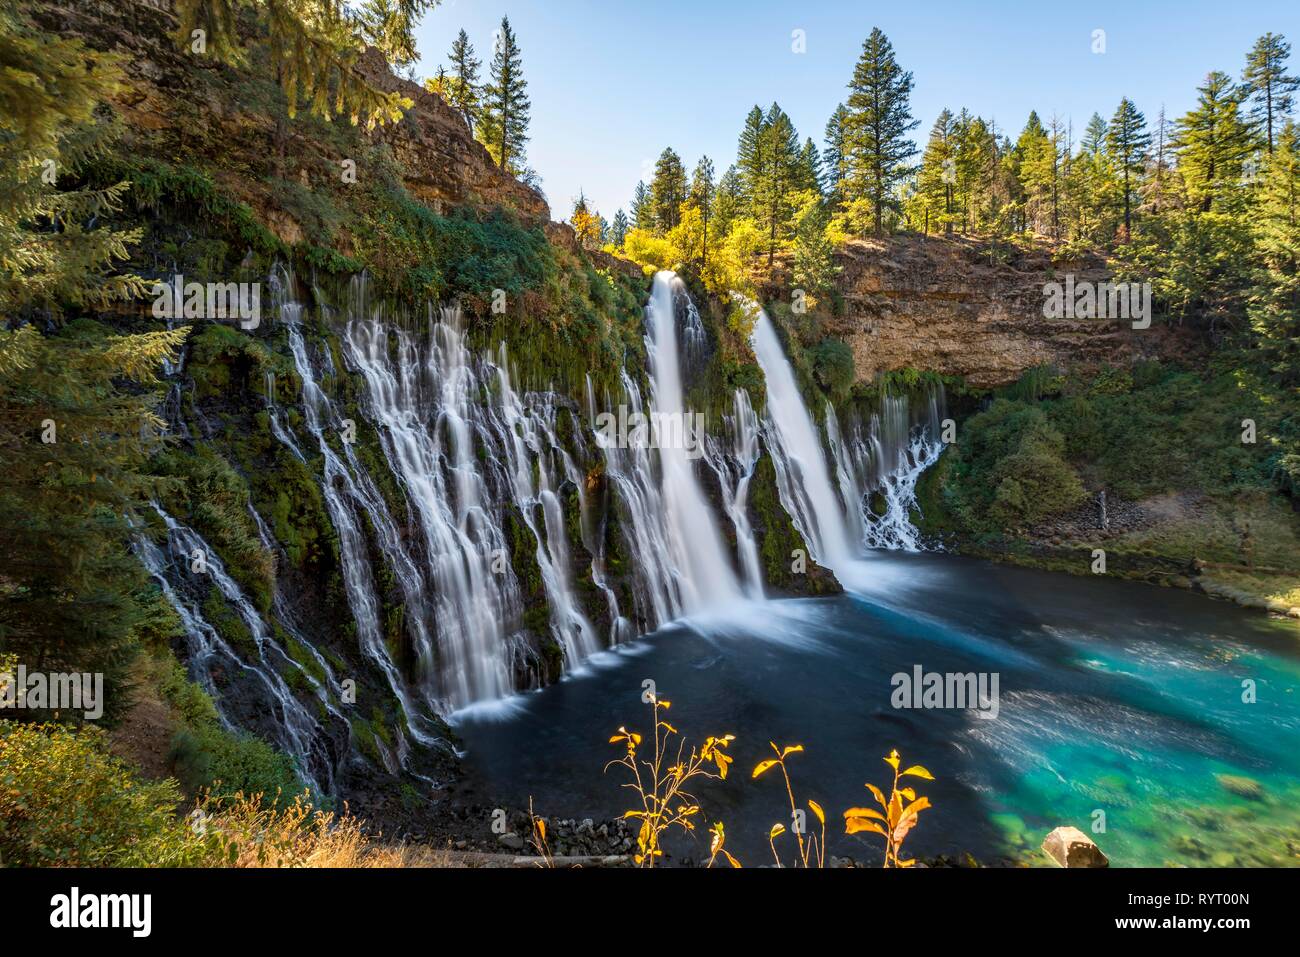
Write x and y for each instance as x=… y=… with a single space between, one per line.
x=347 y=487
x=734 y=466
x=887 y=458
x=803 y=479
x=527 y=434
x=702 y=569
x=266 y=694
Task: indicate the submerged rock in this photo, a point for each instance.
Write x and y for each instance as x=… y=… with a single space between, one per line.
x=1070 y=847
x=1241 y=786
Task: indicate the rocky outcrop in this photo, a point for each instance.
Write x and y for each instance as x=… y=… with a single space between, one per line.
x=187 y=106
x=959 y=307
x=443 y=165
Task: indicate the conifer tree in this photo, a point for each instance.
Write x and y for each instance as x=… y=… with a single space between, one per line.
x=463 y=87
x=505 y=107
x=618 y=229
x=879 y=119
x=668 y=190
x=314 y=48
x=1127 y=140
x=1213 y=144
x=643 y=216
x=77 y=416
x=835 y=153
x=700 y=196
x=1271 y=89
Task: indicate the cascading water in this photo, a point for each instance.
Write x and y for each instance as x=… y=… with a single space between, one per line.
x=734 y=467
x=291 y=725
x=702 y=570
x=344 y=490
x=802 y=476
x=888 y=460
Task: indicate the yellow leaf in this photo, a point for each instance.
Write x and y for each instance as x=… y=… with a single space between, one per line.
x=763 y=766
x=792 y=749
x=864 y=812
x=877 y=794
x=777 y=830
x=665 y=724
x=917 y=771
x=541 y=828
x=907 y=863
x=628 y=814
x=892 y=760
x=665 y=704
x=731 y=860
x=855 y=824
x=817 y=809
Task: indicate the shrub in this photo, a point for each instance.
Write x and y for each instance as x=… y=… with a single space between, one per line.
x=65 y=800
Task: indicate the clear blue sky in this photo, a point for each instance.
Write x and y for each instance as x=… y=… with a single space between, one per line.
x=614 y=82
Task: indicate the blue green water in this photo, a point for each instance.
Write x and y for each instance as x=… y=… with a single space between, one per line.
x=1114 y=697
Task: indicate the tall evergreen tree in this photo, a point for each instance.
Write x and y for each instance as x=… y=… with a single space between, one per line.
x=772 y=195
x=77 y=419
x=809 y=173
x=668 y=190
x=1271 y=89
x=728 y=201
x=835 y=153
x=464 y=85
x=750 y=158
x=505 y=102
x=643 y=216
x=879 y=119
x=1213 y=144
x=1127 y=140
x=700 y=196
x=936 y=179
x=618 y=229
x=1275 y=299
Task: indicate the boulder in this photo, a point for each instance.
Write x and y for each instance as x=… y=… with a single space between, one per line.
x=1070 y=847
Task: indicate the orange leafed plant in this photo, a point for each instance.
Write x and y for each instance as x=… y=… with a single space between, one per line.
x=661 y=786
x=899 y=815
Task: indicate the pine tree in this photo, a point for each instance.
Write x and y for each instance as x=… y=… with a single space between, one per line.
x=77 y=418
x=809 y=173
x=1213 y=144
x=1127 y=140
x=933 y=200
x=700 y=196
x=835 y=154
x=772 y=193
x=390 y=25
x=463 y=88
x=1275 y=298
x=668 y=190
x=643 y=216
x=879 y=119
x=619 y=228
x=314 y=46
x=1038 y=162
x=1271 y=89
x=728 y=201
x=750 y=159
x=505 y=106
